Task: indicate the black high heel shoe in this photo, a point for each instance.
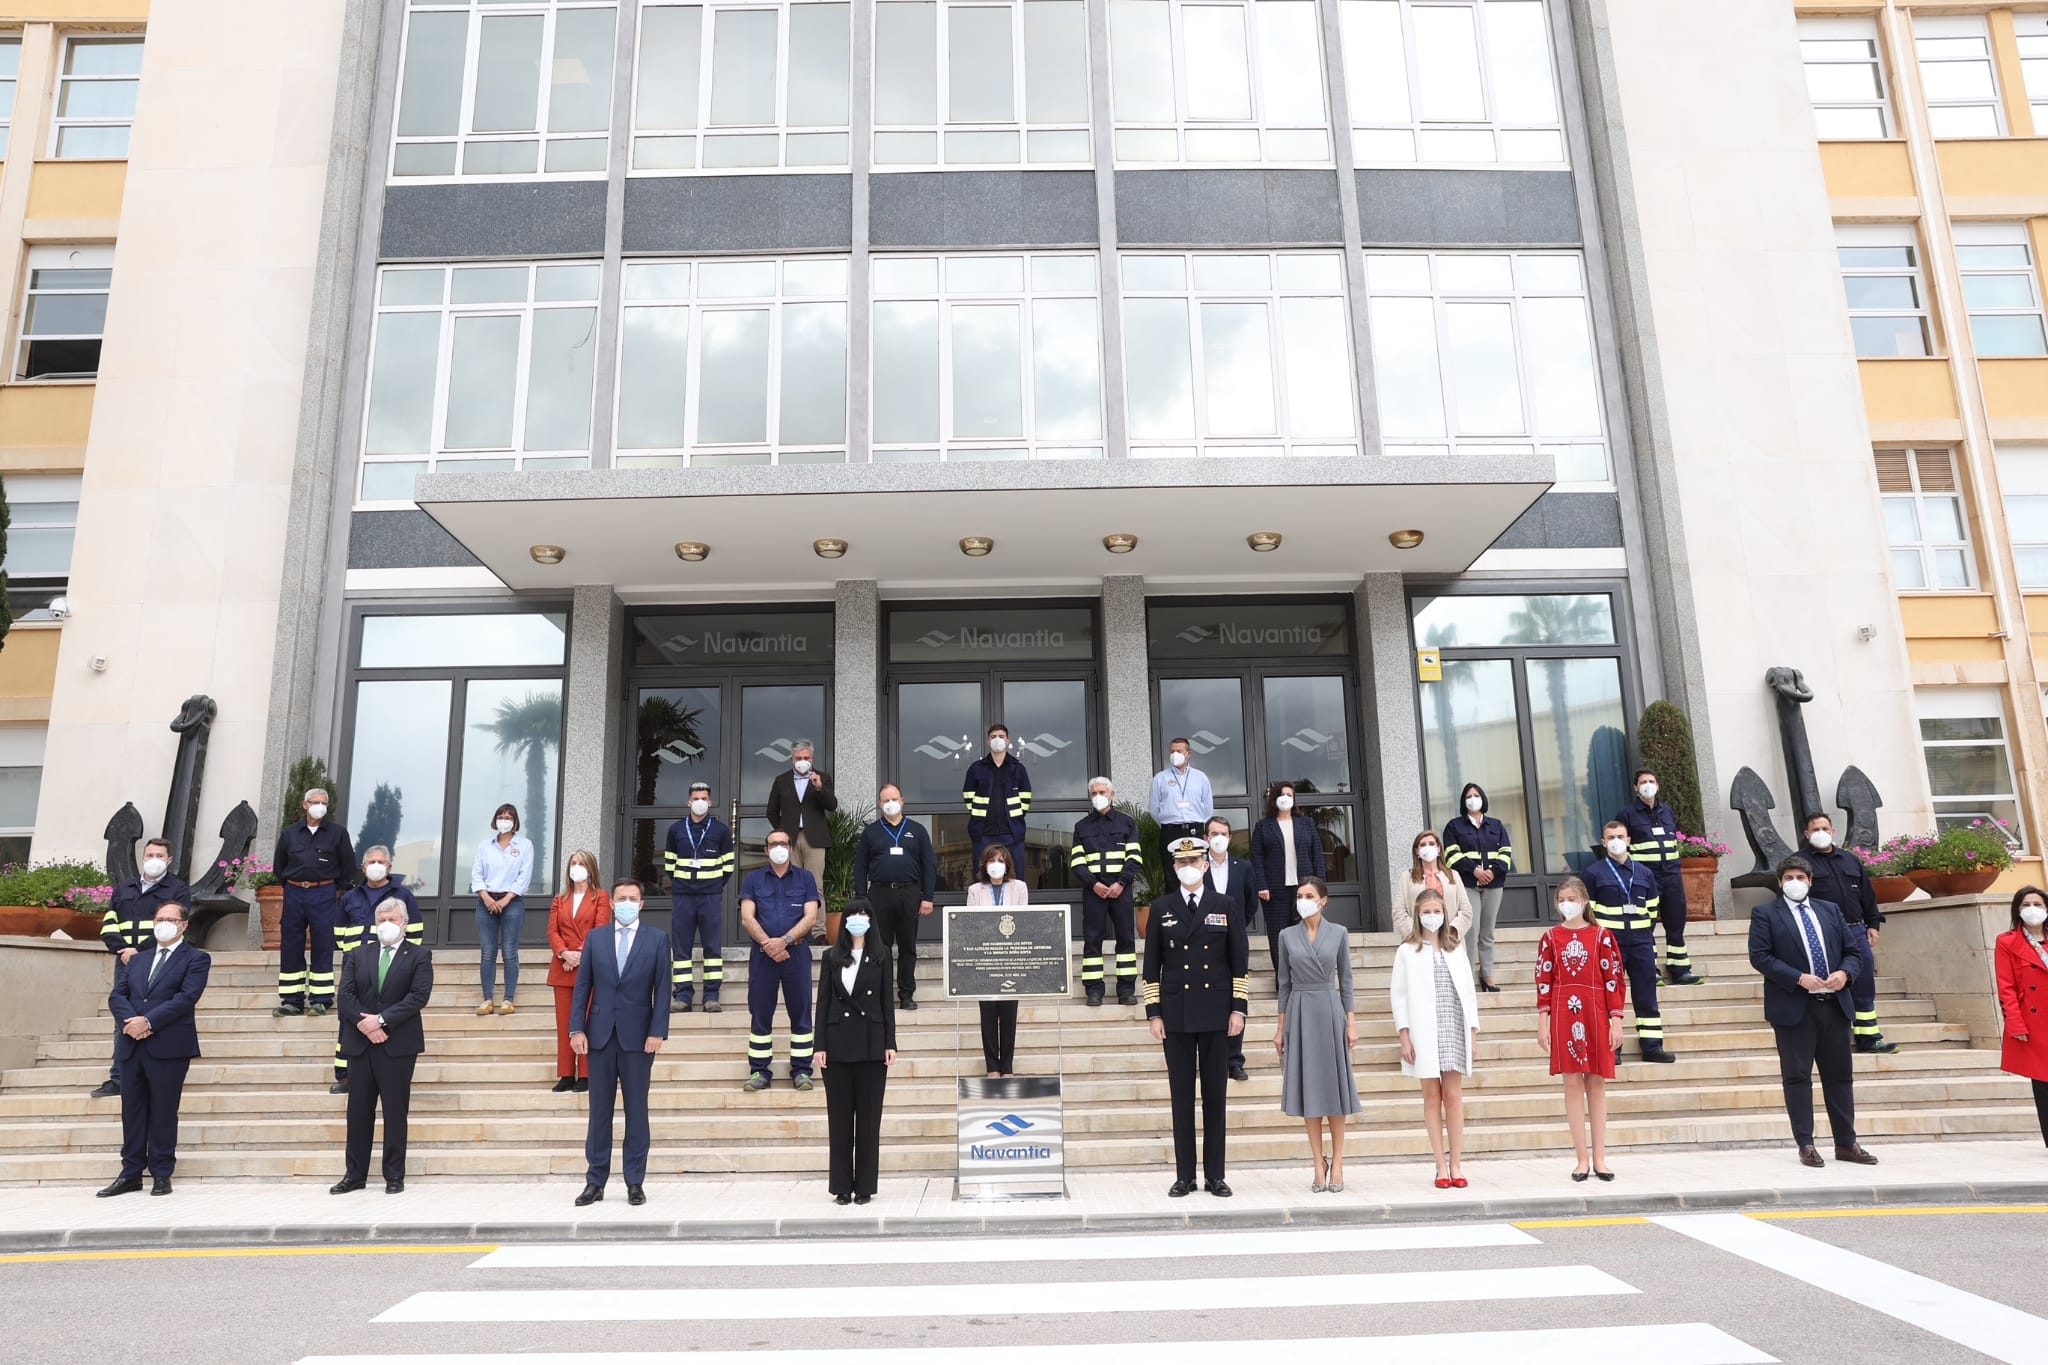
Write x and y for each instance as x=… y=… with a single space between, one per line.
x=1581 y=1176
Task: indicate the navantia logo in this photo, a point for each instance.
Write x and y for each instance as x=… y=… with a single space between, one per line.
x=1009 y=1125
x=932 y=639
x=942 y=747
x=1234 y=633
x=778 y=750
x=975 y=638
x=1195 y=635
x=1307 y=741
x=679 y=751
x=1207 y=741
x=1044 y=746
x=723 y=642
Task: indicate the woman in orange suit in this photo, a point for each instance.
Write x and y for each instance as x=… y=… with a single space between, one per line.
x=581 y=907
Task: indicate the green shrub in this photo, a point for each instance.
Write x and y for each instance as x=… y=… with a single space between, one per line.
x=55 y=885
x=1664 y=737
x=847 y=826
x=308 y=774
x=1979 y=846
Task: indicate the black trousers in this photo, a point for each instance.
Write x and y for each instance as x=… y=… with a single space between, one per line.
x=1822 y=1038
x=896 y=923
x=378 y=1078
x=2041 y=1106
x=853 y=1123
x=1188 y=1056
x=151 y=1089
x=999 y=1035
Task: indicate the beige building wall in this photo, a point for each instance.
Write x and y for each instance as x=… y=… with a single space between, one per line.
x=1727 y=233
x=180 y=537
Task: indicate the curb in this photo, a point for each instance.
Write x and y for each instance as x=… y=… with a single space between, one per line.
x=1524 y=1209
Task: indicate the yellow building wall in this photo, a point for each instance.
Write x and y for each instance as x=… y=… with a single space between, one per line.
x=2016 y=388
x=1907 y=390
x=1993 y=167
x=77 y=189
x=75 y=11
x=38 y=422
x=28 y=673
x=1867 y=170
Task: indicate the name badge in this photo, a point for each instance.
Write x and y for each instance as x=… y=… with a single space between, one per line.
x=1184 y=805
x=895 y=848
x=1656 y=829
x=1218 y=921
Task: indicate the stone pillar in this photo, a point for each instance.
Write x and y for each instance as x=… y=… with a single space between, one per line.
x=591 y=715
x=856 y=692
x=1127 y=682
x=1393 y=748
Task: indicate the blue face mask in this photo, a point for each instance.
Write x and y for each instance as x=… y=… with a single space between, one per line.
x=857 y=925
x=625 y=912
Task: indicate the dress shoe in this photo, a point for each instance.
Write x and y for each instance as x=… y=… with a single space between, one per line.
x=1658 y=1054
x=338 y=1088
x=1094 y=1000
x=1855 y=1156
x=862 y=1198
x=583 y=1085
x=635 y=1195
x=128 y=1185
x=1809 y=1155
x=109 y=1089
x=316 y=1011
x=1127 y=997
x=288 y=1011
x=1489 y=988
x=394 y=1187
x=1582 y=1176
x=685 y=1007
x=1443 y=1182
x=1602 y=1176
x=842 y=1199
x=348 y=1184
x=1238 y=1073
x=1180 y=1189
x=565 y=1085
x=591 y=1194
x=1459 y=1182
x=1878 y=1045
x=802 y=1082
x=757 y=1082
x=1219 y=1188
x=161 y=1185
x=907 y=1003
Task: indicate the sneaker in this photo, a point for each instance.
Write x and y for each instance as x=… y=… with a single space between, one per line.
x=107 y=1090
x=802 y=1082
x=1879 y=1044
x=757 y=1082
x=1094 y=999
x=288 y=1011
x=485 y=1009
x=712 y=1007
x=683 y=1006
x=507 y=1008
x=1127 y=997
x=315 y=1011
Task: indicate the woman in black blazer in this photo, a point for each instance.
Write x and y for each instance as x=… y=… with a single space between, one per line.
x=856 y=1023
x=1285 y=841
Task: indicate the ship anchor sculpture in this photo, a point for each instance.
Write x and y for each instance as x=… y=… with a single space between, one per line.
x=211 y=894
x=1750 y=795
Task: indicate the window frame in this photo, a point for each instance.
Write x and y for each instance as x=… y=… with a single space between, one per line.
x=2031 y=34
x=1182 y=122
x=97 y=256
x=1848 y=28
x=1852 y=236
x=30 y=594
x=10 y=88
x=1021 y=124
x=1440 y=301
x=1971 y=703
x=1917 y=495
x=2014 y=234
x=475 y=11
x=2023 y=473
x=1492 y=124
x=19 y=744
x=61 y=78
x=1953 y=27
x=781 y=129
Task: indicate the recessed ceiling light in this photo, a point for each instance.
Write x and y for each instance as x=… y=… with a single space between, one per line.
x=1262 y=541
x=828 y=548
x=1122 y=543
x=975 y=547
x=692 y=551
x=1405 y=540
x=548 y=554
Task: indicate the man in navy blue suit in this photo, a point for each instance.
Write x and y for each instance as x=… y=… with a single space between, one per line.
x=619 y=1019
x=153 y=1004
x=1808 y=960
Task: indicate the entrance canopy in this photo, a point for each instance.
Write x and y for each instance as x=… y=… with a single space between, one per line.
x=903 y=523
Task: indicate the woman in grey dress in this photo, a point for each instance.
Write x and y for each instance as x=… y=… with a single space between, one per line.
x=1317 y=1030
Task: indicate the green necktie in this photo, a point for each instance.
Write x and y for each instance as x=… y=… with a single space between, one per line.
x=383 y=966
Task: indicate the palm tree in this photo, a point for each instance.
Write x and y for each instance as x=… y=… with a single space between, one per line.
x=381 y=820
x=1554 y=619
x=1446 y=637
x=663 y=728
x=528 y=728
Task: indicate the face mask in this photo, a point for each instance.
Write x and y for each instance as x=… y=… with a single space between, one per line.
x=1180 y=760
x=1795 y=891
x=167 y=930
x=997 y=744
x=779 y=854
x=1432 y=921
x=802 y=766
x=1474 y=804
x=1821 y=839
x=1616 y=847
x=389 y=933
x=1099 y=801
x=153 y=868
x=1571 y=909
x=1190 y=876
x=625 y=912
x=892 y=809
x=1221 y=843
x=998 y=871
x=504 y=827
x=316 y=811
x=1427 y=853
x=1648 y=791
x=2034 y=915
x=1308 y=909
x=1283 y=803
x=857 y=925
x=700 y=808
x=376 y=872
x=579 y=874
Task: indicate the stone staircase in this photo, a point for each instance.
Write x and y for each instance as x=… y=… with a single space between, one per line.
x=256 y=1105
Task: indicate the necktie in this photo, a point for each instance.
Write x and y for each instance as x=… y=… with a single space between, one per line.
x=155 y=965
x=1193 y=900
x=383 y=966
x=1820 y=955
x=625 y=949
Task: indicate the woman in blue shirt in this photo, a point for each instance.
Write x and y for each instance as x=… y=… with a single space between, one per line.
x=498 y=878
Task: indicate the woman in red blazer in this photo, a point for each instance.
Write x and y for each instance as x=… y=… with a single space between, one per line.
x=576 y=911
x=2023 y=994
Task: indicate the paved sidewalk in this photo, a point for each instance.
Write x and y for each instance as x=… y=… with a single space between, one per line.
x=202 y=1213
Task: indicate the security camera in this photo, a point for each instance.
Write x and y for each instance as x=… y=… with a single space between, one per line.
x=60 y=608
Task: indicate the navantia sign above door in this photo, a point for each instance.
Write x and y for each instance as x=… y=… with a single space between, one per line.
x=1263 y=630
x=1025 y=635
x=734 y=638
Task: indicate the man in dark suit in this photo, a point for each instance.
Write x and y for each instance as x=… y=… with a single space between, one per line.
x=1809 y=959
x=384 y=988
x=128 y=927
x=1197 y=995
x=622 y=997
x=153 y=1003
x=1230 y=876
x=800 y=804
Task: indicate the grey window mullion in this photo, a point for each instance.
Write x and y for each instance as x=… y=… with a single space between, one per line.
x=1366 y=405
x=1115 y=413
x=860 y=341
x=605 y=381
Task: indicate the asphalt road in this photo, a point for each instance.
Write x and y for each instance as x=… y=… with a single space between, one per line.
x=1785 y=1290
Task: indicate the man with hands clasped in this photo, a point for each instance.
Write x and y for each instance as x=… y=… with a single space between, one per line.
x=384 y=989
x=618 y=1018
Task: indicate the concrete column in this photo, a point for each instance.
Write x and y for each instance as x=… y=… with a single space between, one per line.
x=1127 y=686
x=1393 y=755
x=856 y=692
x=591 y=715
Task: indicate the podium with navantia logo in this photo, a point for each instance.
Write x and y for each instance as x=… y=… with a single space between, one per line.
x=1012 y=1128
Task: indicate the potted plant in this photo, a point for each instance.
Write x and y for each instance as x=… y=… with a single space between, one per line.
x=1964 y=859
x=847 y=826
x=1664 y=738
x=1699 y=862
x=252 y=874
x=1889 y=868
x=40 y=899
x=1152 y=871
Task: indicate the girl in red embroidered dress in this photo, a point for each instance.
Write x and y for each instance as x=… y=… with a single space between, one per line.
x=1581 y=990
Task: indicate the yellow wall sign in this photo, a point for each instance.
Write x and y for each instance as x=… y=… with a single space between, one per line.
x=1429 y=665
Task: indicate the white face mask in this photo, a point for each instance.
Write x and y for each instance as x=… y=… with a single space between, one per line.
x=1571 y=910
x=1616 y=847
x=998 y=871
x=892 y=809
x=858 y=925
x=1474 y=804
x=1432 y=921
x=997 y=744
x=802 y=766
x=579 y=874
x=1221 y=843
x=389 y=932
x=1283 y=803
x=1821 y=839
x=2034 y=915
x=1648 y=791
x=700 y=808
x=376 y=872
x=1099 y=801
x=1178 y=759
x=625 y=912
x=1307 y=908
x=1428 y=853
x=1795 y=890
x=167 y=930
x=154 y=868
x=505 y=827
x=316 y=811
x=779 y=854
x=1190 y=876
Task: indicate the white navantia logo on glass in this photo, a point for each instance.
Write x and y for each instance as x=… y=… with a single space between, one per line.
x=1307 y=740
x=1207 y=741
x=1194 y=635
x=932 y=639
x=778 y=750
x=1045 y=745
x=942 y=747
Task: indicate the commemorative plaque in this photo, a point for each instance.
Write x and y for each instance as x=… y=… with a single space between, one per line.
x=1007 y=953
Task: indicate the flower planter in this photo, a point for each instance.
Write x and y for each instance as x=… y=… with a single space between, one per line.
x=270 y=905
x=40 y=921
x=1955 y=883
x=1925 y=879
x=1892 y=890
x=1699 y=874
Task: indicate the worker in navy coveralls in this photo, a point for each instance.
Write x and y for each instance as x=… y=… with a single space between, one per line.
x=315 y=861
x=699 y=860
x=1653 y=842
x=1625 y=902
x=778 y=905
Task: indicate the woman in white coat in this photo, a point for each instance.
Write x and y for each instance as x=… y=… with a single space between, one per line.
x=1436 y=1012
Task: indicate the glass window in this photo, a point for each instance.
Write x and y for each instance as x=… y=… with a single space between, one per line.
x=1957 y=75
x=2023 y=477
x=1248 y=630
x=1479 y=621
x=1969 y=766
x=1451 y=83
x=1924 y=520
x=1845 y=77
x=1218 y=82
x=1488 y=354
x=676 y=741
x=1209 y=714
x=1308 y=731
x=64 y=312
x=21 y=782
x=503 y=371
x=1887 y=300
x=726 y=362
x=10 y=69
x=743 y=86
x=1579 y=732
x=1049 y=728
x=772 y=720
x=2032 y=31
x=472 y=640
x=2001 y=289
x=511 y=751
x=96 y=90
x=43 y=509
x=1012 y=79
x=939 y=731
x=398 y=776
x=504 y=88
x=1254 y=358
x=987 y=357
x=1472 y=732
